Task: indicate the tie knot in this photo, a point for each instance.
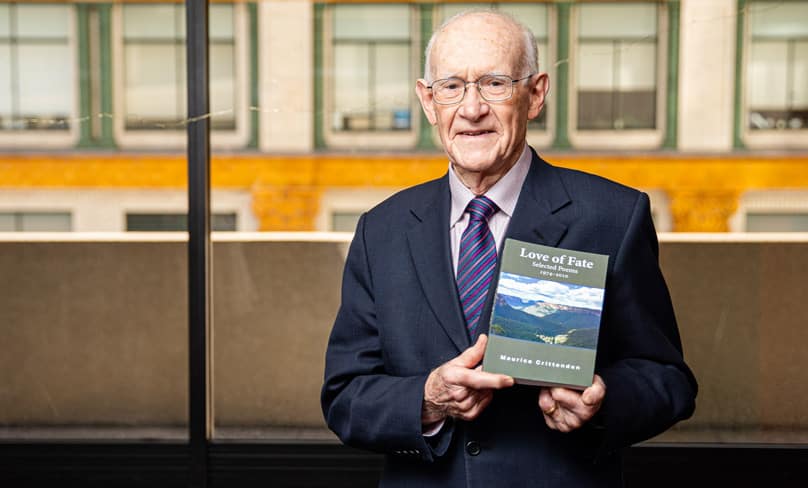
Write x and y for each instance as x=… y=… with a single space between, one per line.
x=481 y=208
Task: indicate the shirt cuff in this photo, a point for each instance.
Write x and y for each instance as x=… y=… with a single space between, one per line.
x=432 y=431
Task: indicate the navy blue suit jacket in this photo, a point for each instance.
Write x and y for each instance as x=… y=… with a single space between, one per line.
x=400 y=318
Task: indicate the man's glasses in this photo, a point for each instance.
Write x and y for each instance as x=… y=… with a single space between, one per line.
x=493 y=88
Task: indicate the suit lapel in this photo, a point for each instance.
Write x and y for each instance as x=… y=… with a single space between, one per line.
x=429 y=247
x=534 y=218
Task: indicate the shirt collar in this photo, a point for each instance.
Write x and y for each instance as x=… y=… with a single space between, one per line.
x=504 y=193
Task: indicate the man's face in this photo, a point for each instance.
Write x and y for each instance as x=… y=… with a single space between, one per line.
x=480 y=136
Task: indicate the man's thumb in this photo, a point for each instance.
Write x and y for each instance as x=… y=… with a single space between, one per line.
x=472 y=356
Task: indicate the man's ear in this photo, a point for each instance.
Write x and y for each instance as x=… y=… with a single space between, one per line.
x=425 y=96
x=538 y=94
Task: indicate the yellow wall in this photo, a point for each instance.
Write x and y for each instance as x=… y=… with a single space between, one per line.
x=703 y=190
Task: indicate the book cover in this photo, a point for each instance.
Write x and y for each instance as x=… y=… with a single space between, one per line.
x=545 y=320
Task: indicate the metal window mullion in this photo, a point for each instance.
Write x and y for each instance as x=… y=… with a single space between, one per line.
x=199 y=245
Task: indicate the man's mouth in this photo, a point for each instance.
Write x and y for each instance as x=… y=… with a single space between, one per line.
x=475 y=132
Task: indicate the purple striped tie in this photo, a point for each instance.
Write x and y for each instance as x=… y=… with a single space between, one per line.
x=477 y=260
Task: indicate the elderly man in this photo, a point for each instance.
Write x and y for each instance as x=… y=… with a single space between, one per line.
x=402 y=368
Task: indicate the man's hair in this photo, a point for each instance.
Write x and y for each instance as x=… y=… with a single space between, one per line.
x=530 y=51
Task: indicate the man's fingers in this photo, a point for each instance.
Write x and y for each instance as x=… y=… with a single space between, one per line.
x=546 y=402
x=477 y=408
x=566 y=397
x=595 y=393
x=482 y=380
x=472 y=356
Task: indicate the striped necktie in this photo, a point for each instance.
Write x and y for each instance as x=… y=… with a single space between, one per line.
x=476 y=261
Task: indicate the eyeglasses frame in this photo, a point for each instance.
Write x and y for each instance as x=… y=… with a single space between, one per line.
x=477 y=82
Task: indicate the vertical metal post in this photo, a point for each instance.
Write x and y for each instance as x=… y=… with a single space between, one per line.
x=199 y=414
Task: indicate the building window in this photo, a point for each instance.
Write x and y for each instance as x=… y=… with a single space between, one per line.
x=372 y=79
x=151 y=75
x=777 y=68
x=344 y=221
x=149 y=222
x=616 y=67
x=369 y=75
x=37 y=72
x=777 y=222
x=771 y=211
x=536 y=18
x=154 y=66
x=35 y=222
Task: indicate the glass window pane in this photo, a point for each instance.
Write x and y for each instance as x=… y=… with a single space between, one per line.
x=222 y=86
x=43 y=21
x=45 y=84
x=221 y=22
x=781 y=19
x=155 y=72
x=172 y=222
x=635 y=109
x=344 y=221
x=152 y=22
x=767 y=75
x=8 y=222
x=5 y=22
x=800 y=70
x=155 y=75
x=533 y=16
x=777 y=222
x=372 y=22
x=449 y=10
x=596 y=110
x=95 y=340
x=629 y=20
x=595 y=63
x=351 y=86
x=45 y=222
x=5 y=86
x=636 y=66
x=392 y=87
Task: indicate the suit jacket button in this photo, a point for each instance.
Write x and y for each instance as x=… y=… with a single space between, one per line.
x=473 y=448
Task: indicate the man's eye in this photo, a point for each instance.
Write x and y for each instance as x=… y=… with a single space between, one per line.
x=495 y=83
x=451 y=85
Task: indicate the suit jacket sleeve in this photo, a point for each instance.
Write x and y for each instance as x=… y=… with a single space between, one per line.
x=364 y=405
x=649 y=386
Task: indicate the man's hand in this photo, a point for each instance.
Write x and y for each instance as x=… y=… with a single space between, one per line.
x=566 y=410
x=459 y=388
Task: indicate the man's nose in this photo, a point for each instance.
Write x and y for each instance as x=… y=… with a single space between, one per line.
x=473 y=106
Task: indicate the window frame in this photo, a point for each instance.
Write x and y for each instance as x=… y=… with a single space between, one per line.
x=109 y=206
x=372 y=140
x=173 y=139
x=630 y=139
x=756 y=139
x=49 y=139
x=768 y=201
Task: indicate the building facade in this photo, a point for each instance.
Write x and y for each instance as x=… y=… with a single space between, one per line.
x=701 y=103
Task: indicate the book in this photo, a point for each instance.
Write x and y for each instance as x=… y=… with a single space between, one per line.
x=545 y=321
